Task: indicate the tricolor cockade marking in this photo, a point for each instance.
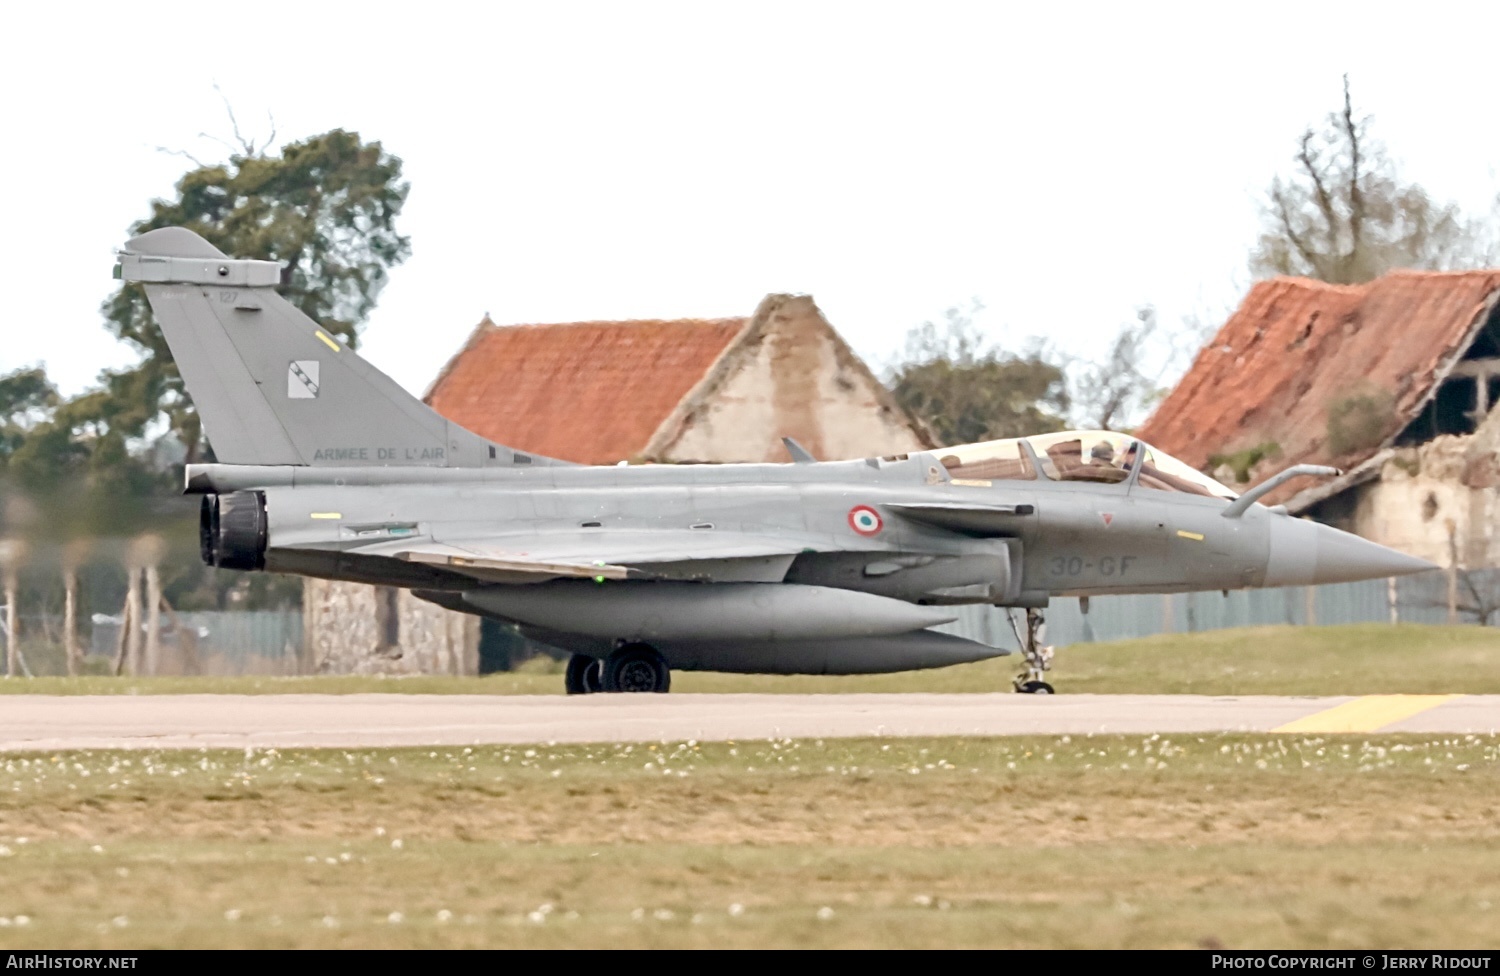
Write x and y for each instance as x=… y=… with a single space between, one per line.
x=865 y=520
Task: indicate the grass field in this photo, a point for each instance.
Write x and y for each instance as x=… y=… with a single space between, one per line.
x=1235 y=841
x=1360 y=659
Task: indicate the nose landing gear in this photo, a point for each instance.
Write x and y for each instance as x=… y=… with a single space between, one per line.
x=1038 y=655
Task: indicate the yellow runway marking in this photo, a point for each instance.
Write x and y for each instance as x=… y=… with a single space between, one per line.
x=1368 y=714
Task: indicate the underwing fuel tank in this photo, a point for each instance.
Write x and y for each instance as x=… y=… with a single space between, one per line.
x=664 y=611
x=868 y=655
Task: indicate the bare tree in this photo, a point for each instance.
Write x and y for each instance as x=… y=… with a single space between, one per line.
x=1345 y=216
x=1112 y=392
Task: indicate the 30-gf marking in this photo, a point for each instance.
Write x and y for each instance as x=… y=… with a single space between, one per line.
x=1077 y=565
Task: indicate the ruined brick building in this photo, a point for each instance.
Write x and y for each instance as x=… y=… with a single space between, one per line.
x=1394 y=382
x=719 y=390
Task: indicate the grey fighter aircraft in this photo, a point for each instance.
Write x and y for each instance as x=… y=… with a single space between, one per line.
x=325 y=467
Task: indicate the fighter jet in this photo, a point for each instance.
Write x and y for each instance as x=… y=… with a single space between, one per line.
x=327 y=468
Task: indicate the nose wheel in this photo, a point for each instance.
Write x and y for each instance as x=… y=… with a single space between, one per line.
x=1038 y=656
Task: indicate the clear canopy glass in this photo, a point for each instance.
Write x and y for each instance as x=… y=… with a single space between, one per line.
x=1100 y=456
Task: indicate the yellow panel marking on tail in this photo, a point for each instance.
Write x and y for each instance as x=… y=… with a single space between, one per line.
x=326 y=515
x=1185 y=534
x=326 y=341
x=1368 y=714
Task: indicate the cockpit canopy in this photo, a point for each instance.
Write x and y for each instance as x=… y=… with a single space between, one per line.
x=1100 y=456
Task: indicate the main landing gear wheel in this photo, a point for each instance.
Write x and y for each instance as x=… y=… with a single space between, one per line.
x=585 y=675
x=1038 y=655
x=636 y=667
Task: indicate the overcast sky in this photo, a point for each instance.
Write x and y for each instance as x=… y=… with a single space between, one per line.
x=1062 y=163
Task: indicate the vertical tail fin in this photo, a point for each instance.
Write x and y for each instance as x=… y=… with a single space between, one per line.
x=271 y=386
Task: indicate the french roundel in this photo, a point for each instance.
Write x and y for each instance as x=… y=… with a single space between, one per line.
x=865 y=520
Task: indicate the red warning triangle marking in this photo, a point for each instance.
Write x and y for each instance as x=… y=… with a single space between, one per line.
x=1108 y=517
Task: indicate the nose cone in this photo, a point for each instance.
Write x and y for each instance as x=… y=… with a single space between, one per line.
x=1304 y=553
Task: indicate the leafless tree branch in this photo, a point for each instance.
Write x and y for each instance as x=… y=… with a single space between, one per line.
x=1356 y=174
x=184 y=154
x=247 y=146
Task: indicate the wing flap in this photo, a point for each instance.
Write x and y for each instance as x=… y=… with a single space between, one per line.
x=485 y=566
x=622 y=554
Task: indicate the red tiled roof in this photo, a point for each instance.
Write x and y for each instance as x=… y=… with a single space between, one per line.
x=590 y=392
x=1296 y=347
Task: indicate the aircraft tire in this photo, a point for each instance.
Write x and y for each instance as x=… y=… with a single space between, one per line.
x=636 y=668
x=1036 y=688
x=584 y=675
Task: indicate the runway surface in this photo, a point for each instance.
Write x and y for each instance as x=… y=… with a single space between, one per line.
x=46 y=723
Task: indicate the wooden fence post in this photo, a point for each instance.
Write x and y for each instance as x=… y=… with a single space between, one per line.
x=74 y=554
x=12 y=651
x=70 y=620
x=12 y=554
x=1452 y=572
x=153 y=621
x=130 y=659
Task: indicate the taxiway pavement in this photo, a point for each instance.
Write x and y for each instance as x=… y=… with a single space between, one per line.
x=48 y=723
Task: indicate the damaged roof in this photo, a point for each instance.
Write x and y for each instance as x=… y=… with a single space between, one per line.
x=1306 y=371
x=589 y=392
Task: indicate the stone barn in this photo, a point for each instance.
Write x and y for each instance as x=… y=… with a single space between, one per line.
x=1394 y=382
x=684 y=391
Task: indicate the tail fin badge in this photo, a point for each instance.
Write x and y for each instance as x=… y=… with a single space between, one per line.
x=302 y=379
